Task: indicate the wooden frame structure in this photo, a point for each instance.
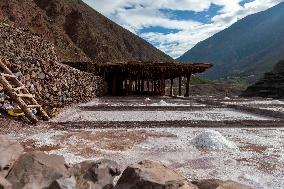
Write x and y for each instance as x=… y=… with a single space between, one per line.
x=138 y=78
x=20 y=94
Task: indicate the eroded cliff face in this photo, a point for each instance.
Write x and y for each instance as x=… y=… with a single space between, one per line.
x=271 y=85
x=78 y=32
x=35 y=62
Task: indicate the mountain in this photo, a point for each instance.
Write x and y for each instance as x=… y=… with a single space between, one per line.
x=79 y=32
x=249 y=47
x=271 y=85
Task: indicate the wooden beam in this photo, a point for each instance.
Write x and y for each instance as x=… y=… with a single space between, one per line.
x=139 y=86
x=179 y=86
x=172 y=88
x=155 y=86
x=187 y=86
x=113 y=87
x=142 y=86
x=163 y=92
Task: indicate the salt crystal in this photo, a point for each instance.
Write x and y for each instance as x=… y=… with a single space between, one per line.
x=212 y=140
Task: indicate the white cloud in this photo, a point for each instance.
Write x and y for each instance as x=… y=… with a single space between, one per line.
x=138 y=14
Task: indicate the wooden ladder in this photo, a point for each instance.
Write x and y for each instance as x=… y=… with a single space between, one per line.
x=19 y=94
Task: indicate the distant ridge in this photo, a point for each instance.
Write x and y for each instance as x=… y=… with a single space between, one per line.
x=78 y=32
x=271 y=85
x=251 y=46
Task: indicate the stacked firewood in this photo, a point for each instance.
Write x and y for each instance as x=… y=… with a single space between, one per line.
x=34 y=61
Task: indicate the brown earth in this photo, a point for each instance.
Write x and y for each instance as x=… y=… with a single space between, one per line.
x=78 y=32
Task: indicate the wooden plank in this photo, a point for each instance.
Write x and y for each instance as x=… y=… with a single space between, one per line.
x=8 y=75
x=26 y=95
x=18 y=99
x=19 y=88
x=5 y=68
x=179 y=85
x=34 y=106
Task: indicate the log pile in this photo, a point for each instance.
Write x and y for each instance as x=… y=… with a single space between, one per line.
x=35 y=63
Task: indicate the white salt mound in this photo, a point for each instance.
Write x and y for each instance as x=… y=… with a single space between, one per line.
x=161 y=103
x=212 y=140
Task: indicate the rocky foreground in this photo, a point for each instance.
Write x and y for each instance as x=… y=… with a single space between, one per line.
x=37 y=170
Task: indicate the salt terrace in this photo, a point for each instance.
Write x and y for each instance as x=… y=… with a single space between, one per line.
x=244 y=143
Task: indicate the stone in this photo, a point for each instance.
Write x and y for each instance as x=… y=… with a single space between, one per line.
x=207 y=183
x=10 y=151
x=4 y=184
x=102 y=173
x=219 y=184
x=89 y=175
x=36 y=170
x=64 y=183
x=233 y=185
x=41 y=75
x=37 y=60
x=150 y=174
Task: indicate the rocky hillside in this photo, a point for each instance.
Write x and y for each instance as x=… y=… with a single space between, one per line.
x=271 y=85
x=249 y=47
x=78 y=32
x=35 y=63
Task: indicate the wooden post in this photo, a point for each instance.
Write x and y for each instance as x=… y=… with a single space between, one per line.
x=130 y=87
x=139 y=86
x=142 y=86
x=126 y=84
x=179 y=86
x=113 y=89
x=159 y=86
x=148 y=85
x=163 y=87
x=155 y=86
x=172 y=88
x=187 y=85
x=136 y=86
x=18 y=97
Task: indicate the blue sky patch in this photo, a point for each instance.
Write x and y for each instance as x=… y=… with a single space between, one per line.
x=203 y=17
x=242 y=3
x=184 y=20
x=158 y=29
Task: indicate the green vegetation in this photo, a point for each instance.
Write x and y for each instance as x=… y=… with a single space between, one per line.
x=200 y=80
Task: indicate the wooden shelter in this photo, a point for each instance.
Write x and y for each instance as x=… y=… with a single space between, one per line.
x=138 y=78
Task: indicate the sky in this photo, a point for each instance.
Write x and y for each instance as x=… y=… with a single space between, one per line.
x=175 y=26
